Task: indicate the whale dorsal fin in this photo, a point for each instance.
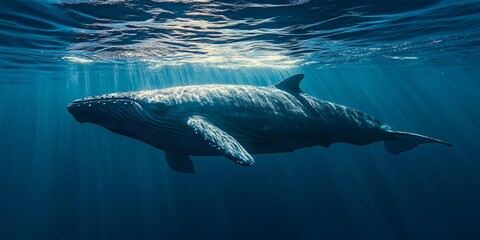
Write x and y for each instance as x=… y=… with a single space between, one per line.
x=291 y=84
x=220 y=140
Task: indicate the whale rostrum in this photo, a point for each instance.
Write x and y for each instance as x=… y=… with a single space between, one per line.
x=236 y=121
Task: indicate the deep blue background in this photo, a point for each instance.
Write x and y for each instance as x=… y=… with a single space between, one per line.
x=412 y=64
x=66 y=180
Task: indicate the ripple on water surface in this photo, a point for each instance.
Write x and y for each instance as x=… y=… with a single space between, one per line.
x=232 y=34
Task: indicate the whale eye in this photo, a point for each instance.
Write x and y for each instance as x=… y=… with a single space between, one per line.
x=157 y=107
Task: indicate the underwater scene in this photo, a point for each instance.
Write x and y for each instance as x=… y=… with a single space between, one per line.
x=239 y=119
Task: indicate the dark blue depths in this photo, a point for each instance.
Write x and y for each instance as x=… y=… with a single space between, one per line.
x=60 y=179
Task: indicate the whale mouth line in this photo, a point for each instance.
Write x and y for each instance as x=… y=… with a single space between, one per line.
x=95 y=101
x=100 y=99
x=91 y=109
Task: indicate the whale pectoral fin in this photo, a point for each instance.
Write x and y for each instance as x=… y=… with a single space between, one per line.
x=219 y=139
x=179 y=162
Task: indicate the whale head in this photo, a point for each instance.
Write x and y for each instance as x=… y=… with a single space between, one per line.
x=131 y=113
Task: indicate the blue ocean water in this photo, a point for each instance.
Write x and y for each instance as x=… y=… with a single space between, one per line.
x=412 y=64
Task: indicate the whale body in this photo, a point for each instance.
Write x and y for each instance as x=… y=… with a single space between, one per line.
x=236 y=121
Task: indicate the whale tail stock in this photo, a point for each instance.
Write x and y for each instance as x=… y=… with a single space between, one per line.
x=404 y=141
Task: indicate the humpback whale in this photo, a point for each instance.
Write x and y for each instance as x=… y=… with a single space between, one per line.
x=236 y=121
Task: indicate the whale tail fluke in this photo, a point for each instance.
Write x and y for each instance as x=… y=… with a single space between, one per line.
x=404 y=141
